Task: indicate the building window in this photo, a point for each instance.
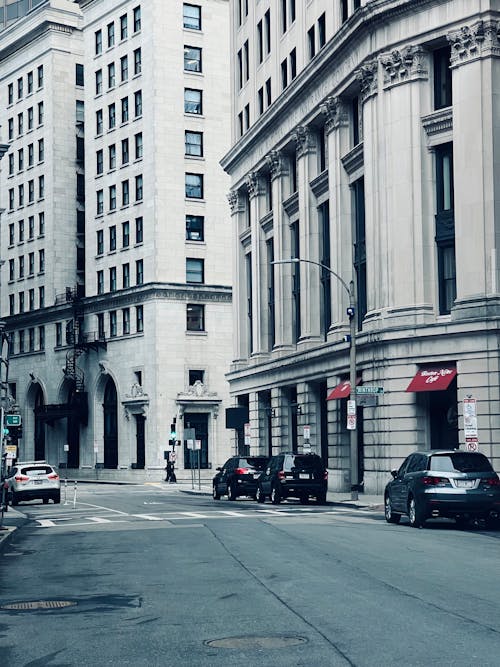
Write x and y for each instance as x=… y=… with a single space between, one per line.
x=100 y=282
x=21 y=302
x=112 y=156
x=124 y=68
x=445 y=228
x=111 y=34
x=100 y=326
x=11 y=199
x=322 y=30
x=194 y=186
x=284 y=74
x=125 y=193
x=99 y=161
x=195 y=227
x=325 y=276
x=192 y=59
x=296 y=287
x=21 y=342
x=138 y=146
x=31 y=155
x=11 y=164
x=99 y=202
x=137 y=18
x=21 y=266
x=139 y=319
x=138 y=103
x=11 y=304
x=123 y=27
x=112 y=238
x=20 y=88
x=139 y=189
x=20 y=195
x=31 y=339
x=139 y=272
x=58 y=334
x=41 y=223
x=99 y=125
x=125 y=275
x=193 y=143
x=192 y=17
x=139 y=230
x=12 y=269
x=31 y=191
x=195 y=317
x=10 y=93
x=112 y=324
x=20 y=123
x=31 y=118
x=293 y=64
x=11 y=128
x=21 y=231
x=126 y=321
x=311 y=42
x=100 y=242
x=111 y=116
x=41 y=297
x=358 y=194
x=31 y=299
x=112 y=197
x=40 y=113
x=195 y=270
x=31 y=227
x=260 y=101
x=137 y=61
x=442 y=78
x=125 y=110
x=125 y=234
x=98 y=82
x=79 y=77
x=41 y=338
x=344 y=10
x=39 y=73
x=125 y=152
x=193 y=101
x=111 y=75
x=98 y=42
x=12 y=234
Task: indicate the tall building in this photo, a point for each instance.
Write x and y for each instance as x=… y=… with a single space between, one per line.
x=365 y=147
x=116 y=290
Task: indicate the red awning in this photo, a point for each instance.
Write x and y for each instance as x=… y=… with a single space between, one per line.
x=342 y=390
x=432 y=378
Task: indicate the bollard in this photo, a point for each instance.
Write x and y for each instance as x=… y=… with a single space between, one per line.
x=65 y=492
x=74 y=496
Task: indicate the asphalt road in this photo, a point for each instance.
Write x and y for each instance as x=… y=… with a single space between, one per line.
x=156 y=577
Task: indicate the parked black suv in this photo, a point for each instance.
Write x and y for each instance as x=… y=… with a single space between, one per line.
x=238 y=477
x=291 y=475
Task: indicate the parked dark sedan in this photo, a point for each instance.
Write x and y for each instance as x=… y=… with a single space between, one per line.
x=291 y=475
x=448 y=483
x=238 y=477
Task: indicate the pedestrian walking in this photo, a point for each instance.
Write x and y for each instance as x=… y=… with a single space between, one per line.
x=170 y=473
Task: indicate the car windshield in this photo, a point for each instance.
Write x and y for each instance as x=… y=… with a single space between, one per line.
x=255 y=462
x=307 y=463
x=460 y=462
x=39 y=470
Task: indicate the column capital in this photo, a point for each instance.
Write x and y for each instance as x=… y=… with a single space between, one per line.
x=235 y=202
x=367 y=77
x=335 y=113
x=475 y=41
x=408 y=64
x=252 y=182
x=277 y=164
x=304 y=140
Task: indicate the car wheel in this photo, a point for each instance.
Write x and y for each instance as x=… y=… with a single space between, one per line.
x=462 y=521
x=275 y=495
x=57 y=498
x=13 y=499
x=45 y=501
x=215 y=493
x=321 y=498
x=415 y=513
x=260 y=496
x=390 y=516
x=231 y=492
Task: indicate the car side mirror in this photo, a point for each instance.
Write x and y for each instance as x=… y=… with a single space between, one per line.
x=394 y=473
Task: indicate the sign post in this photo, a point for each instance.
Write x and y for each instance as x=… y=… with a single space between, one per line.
x=470 y=424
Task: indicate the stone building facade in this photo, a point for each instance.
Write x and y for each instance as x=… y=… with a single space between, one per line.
x=116 y=289
x=365 y=146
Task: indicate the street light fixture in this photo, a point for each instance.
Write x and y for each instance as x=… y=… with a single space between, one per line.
x=351 y=314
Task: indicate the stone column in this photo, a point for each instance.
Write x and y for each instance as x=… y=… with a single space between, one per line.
x=282 y=273
x=240 y=345
x=308 y=237
x=258 y=298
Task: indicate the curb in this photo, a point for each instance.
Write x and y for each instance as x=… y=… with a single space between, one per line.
x=20 y=519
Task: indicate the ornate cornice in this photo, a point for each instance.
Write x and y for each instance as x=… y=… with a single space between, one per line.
x=367 y=78
x=253 y=184
x=276 y=164
x=304 y=140
x=479 y=40
x=235 y=202
x=334 y=111
x=438 y=122
x=409 y=64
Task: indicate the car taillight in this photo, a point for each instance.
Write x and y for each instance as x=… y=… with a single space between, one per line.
x=241 y=471
x=435 y=481
x=21 y=478
x=325 y=474
x=492 y=481
x=53 y=475
x=281 y=474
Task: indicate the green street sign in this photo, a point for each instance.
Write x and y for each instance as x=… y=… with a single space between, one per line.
x=13 y=420
x=369 y=390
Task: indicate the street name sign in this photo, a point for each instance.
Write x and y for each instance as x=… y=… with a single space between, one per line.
x=369 y=390
x=13 y=420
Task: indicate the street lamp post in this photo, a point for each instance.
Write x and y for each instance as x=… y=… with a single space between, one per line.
x=351 y=313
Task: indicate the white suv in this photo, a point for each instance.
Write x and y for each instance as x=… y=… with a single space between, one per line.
x=29 y=480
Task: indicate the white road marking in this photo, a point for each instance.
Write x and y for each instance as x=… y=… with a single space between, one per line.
x=100 y=507
x=98 y=519
x=228 y=513
x=194 y=515
x=148 y=517
x=46 y=523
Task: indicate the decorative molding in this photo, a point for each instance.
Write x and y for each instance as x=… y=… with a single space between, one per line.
x=304 y=140
x=253 y=184
x=198 y=396
x=267 y=222
x=291 y=205
x=481 y=39
x=277 y=164
x=409 y=64
x=235 y=202
x=438 y=122
x=103 y=367
x=354 y=159
x=319 y=185
x=367 y=78
x=333 y=108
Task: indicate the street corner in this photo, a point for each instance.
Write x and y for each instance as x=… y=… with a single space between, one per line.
x=12 y=520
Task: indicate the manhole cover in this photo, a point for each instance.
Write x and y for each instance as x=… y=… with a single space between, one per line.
x=256 y=642
x=39 y=604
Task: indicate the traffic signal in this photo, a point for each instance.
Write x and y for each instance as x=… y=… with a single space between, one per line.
x=6 y=431
x=173 y=432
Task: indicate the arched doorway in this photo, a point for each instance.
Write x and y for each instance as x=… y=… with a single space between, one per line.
x=39 y=431
x=110 y=406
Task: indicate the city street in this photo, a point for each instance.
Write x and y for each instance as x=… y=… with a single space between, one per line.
x=149 y=575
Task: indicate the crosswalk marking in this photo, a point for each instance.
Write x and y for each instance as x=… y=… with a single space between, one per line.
x=148 y=517
x=46 y=523
x=98 y=519
x=229 y=513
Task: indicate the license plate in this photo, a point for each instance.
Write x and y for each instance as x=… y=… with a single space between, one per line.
x=38 y=481
x=304 y=475
x=466 y=483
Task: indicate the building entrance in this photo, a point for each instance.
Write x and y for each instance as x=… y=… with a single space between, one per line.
x=110 y=426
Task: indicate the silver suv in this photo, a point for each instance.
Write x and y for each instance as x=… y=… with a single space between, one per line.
x=29 y=480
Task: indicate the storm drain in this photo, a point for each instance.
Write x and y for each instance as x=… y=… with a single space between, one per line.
x=39 y=604
x=257 y=642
